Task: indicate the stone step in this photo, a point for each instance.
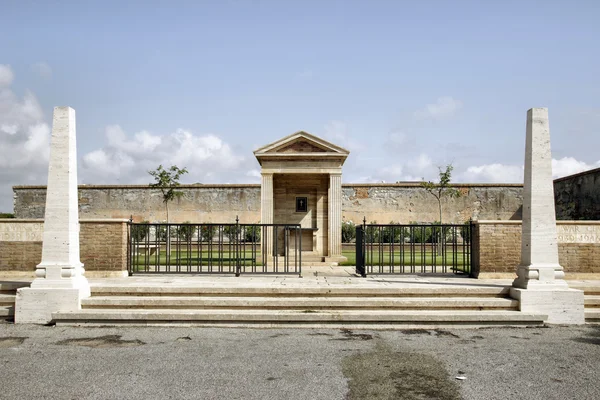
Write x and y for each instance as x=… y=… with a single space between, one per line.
x=591 y=301
x=589 y=288
x=7 y=311
x=7 y=299
x=298 y=303
x=329 y=291
x=592 y=315
x=9 y=287
x=378 y=319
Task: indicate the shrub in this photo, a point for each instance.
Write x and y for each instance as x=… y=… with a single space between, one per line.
x=232 y=232
x=161 y=232
x=393 y=234
x=372 y=233
x=207 y=232
x=186 y=232
x=140 y=231
x=421 y=233
x=348 y=231
x=7 y=215
x=252 y=234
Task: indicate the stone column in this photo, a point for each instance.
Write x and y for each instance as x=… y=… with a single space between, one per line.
x=539 y=285
x=335 y=215
x=60 y=283
x=266 y=211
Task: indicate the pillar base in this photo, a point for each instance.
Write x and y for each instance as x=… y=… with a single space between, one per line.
x=562 y=306
x=540 y=276
x=36 y=305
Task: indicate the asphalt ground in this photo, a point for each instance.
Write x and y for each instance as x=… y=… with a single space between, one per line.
x=43 y=362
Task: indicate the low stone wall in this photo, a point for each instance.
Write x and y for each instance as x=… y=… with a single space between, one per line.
x=497 y=248
x=103 y=246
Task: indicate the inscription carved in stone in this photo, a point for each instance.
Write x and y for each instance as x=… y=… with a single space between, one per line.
x=578 y=233
x=19 y=232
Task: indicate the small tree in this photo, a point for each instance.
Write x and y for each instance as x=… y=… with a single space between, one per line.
x=442 y=188
x=167 y=181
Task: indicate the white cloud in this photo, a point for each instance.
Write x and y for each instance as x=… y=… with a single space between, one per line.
x=411 y=170
x=501 y=173
x=128 y=159
x=444 y=107
x=491 y=173
x=569 y=166
x=42 y=69
x=6 y=75
x=24 y=140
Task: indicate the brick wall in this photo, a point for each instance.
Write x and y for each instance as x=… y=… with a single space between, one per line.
x=103 y=245
x=20 y=256
x=497 y=247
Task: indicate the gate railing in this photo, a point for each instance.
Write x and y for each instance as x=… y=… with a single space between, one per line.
x=214 y=248
x=414 y=249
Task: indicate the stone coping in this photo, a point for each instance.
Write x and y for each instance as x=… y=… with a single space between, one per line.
x=519 y=222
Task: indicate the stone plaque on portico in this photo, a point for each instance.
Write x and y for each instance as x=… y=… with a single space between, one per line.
x=304 y=168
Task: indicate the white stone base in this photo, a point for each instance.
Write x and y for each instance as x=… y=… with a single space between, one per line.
x=336 y=259
x=36 y=305
x=562 y=306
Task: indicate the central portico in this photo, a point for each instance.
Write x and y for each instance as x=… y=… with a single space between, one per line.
x=302 y=184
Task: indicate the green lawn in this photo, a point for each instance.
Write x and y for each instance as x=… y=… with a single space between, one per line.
x=418 y=258
x=185 y=258
x=226 y=258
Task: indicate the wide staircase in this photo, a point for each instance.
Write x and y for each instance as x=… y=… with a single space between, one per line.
x=366 y=307
x=357 y=307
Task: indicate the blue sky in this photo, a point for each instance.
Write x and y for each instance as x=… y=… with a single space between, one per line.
x=405 y=86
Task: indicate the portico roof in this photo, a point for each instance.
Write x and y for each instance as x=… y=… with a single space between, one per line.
x=301 y=145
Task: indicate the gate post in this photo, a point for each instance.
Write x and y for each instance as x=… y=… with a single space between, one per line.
x=129 y=247
x=237 y=247
x=360 y=251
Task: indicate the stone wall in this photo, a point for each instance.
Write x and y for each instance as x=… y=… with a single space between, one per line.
x=578 y=196
x=409 y=202
x=497 y=248
x=222 y=203
x=103 y=246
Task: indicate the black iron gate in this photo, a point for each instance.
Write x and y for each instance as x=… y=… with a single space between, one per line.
x=414 y=249
x=163 y=248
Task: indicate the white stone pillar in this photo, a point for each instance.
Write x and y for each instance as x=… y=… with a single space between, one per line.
x=335 y=216
x=539 y=285
x=60 y=283
x=266 y=212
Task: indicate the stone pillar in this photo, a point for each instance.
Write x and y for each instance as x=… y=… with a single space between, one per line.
x=60 y=283
x=266 y=212
x=539 y=285
x=335 y=217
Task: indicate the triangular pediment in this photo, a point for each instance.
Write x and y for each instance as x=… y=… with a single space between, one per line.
x=299 y=146
x=301 y=143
